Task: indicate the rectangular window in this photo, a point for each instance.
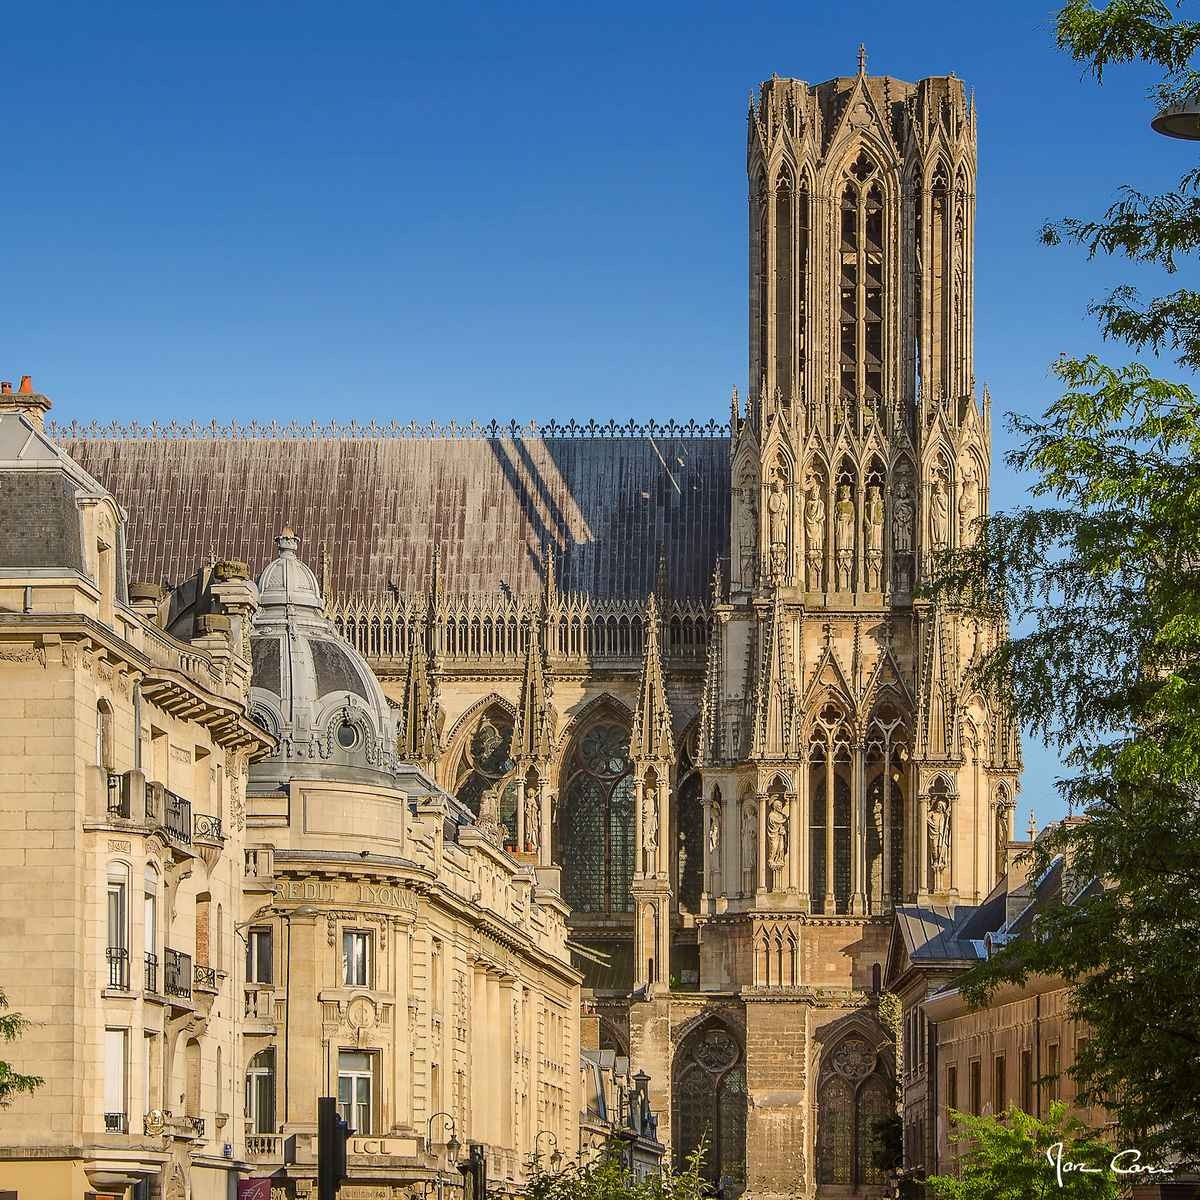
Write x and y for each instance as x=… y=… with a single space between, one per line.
x=356 y=958
x=1053 y=1088
x=1027 y=1080
x=259 y=946
x=355 y=1086
x=952 y=1087
x=999 y=1091
x=117 y=950
x=116 y=1064
x=260 y=1092
x=976 y=1088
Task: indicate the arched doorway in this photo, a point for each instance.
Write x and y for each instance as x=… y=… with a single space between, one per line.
x=708 y=1101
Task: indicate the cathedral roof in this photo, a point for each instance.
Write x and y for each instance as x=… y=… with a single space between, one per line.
x=371 y=509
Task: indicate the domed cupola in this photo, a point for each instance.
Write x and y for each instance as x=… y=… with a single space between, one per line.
x=311 y=688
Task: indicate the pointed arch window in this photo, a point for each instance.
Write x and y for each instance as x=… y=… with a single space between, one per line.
x=853 y=1098
x=784 y=284
x=596 y=821
x=486 y=766
x=709 y=1105
x=690 y=807
x=862 y=286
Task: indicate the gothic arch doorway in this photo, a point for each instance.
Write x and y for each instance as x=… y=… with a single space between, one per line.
x=708 y=1101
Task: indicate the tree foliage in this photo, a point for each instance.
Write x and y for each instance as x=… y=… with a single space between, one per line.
x=605 y=1178
x=1006 y=1159
x=1102 y=575
x=13 y=1083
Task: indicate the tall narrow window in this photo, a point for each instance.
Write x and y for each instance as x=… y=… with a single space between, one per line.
x=976 y=1077
x=952 y=1087
x=356 y=958
x=260 y=1091
x=117 y=951
x=783 y=286
x=1053 y=1085
x=862 y=285
x=355 y=1086
x=259 y=947
x=1027 y=1102
x=116 y=1068
x=762 y=271
x=999 y=1085
x=150 y=932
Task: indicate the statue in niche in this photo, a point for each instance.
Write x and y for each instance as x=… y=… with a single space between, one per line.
x=968 y=507
x=777 y=507
x=1004 y=810
x=939 y=513
x=650 y=828
x=874 y=524
x=902 y=516
x=714 y=844
x=747 y=531
x=845 y=537
x=533 y=820
x=814 y=534
x=749 y=847
x=777 y=841
x=939 y=834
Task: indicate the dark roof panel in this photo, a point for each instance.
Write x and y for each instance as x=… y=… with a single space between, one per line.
x=379 y=506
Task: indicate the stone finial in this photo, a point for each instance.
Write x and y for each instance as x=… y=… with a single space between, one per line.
x=862 y=59
x=287 y=543
x=1033 y=828
x=27 y=403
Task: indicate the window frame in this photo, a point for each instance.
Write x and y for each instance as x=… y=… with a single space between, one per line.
x=256 y=936
x=364 y=937
x=351 y=1109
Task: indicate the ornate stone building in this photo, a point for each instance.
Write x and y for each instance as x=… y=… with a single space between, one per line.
x=686 y=670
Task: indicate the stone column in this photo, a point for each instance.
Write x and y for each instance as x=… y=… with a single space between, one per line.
x=760 y=854
x=804 y=824
x=921 y=883
x=504 y=1040
x=521 y=788
x=793 y=845
x=639 y=857
x=664 y=824
x=858 y=831
x=544 y=845
x=495 y=1047
x=303 y=1045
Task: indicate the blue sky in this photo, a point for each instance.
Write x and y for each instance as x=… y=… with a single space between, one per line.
x=476 y=210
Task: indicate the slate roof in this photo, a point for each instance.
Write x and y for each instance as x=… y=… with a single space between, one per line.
x=936 y=933
x=379 y=505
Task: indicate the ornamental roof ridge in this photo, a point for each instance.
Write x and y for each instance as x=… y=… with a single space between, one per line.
x=356 y=430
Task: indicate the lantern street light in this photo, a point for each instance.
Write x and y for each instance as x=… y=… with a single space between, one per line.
x=1180 y=120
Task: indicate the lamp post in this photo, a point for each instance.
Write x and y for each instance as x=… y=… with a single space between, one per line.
x=1181 y=120
x=556 y=1154
x=452 y=1144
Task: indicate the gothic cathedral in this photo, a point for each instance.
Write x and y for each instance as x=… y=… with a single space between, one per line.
x=686 y=671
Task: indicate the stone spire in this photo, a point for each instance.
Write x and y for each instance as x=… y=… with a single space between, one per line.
x=420 y=742
x=775 y=691
x=533 y=732
x=652 y=739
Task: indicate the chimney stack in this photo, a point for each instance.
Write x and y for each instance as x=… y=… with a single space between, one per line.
x=27 y=403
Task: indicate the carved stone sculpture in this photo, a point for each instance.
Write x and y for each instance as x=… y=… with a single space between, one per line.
x=777 y=507
x=939 y=834
x=814 y=535
x=777 y=841
x=874 y=533
x=939 y=514
x=845 y=538
x=749 y=847
x=968 y=507
x=533 y=821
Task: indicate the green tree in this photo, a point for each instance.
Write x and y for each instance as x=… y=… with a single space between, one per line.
x=1102 y=576
x=606 y=1178
x=1007 y=1159
x=13 y=1083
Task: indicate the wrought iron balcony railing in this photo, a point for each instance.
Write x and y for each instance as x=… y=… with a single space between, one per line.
x=116 y=1123
x=177 y=818
x=118 y=967
x=178 y=974
x=151 y=983
x=118 y=799
x=206 y=828
x=204 y=977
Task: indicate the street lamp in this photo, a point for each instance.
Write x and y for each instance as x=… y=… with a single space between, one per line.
x=452 y=1143
x=556 y=1155
x=1180 y=120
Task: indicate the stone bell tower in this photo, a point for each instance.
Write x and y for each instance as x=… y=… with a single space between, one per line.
x=849 y=765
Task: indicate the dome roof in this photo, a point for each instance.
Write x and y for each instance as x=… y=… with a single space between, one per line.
x=310 y=687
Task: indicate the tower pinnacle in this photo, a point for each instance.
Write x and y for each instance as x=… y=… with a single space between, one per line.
x=862 y=59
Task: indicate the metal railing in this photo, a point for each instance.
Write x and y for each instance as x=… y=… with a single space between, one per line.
x=204 y=977
x=177 y=818
x=118 y=967
x=197 y=1124
x=151 y=962
x=206 y=828
x=178 y=974
x=118 y=803
x=116 y=1123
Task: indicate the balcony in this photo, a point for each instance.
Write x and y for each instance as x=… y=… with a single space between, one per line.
x=260 y=1007
x=118 y=967
x=151 y=966
x=116 y=1123
x=118 y=797
x=178 y=975
x=264 y=1145
x=197 y=1124
x=204 y=979
x=170 y=813
x=206 y=828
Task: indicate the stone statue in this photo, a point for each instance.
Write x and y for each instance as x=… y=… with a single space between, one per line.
x=533 y=821
x=1004 y=810
x=714 y=845
x=845 y=537
x=749 y=847
x=814 y=535
x=939 y=833
x=777 y=507
x=939 y=514
x=874 y=533
x=902 y=517
x=777 y=840
x=747 y=532
x=968 y=507
x=650 y=827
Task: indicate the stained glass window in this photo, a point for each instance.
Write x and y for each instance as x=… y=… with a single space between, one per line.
x=486 y=764
x=690 y=808
x=841 y=842
x=596 y=825
x=835 y=1132
x=873 y=1107
x=816 y=808
x=709 y=1103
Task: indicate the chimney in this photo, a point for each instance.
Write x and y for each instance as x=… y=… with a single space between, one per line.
x=27 y=403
